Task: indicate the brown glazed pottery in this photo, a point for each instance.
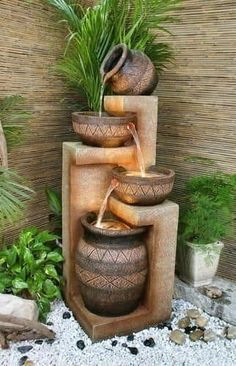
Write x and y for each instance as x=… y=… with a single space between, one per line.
x=105 y=130
x=111 y=268
x=138 y=190
x=129 y=72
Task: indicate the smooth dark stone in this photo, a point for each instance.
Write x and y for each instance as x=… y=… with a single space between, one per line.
x=187 y=330
x=38 y=341
x=50 y=323
x=133 y=350
x=149 y=342
x=168 y=325
x=24 y=349
x=130 y=337
x=114 y=343
x=66 y=315
x=23 y=360
x=50 y=341
x=80 y=344
x=124 y=345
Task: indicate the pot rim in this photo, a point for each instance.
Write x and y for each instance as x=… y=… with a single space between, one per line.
x=208 y=245
x=111 y=118
x=117 y=67
x=105 y=232
x=119 y=174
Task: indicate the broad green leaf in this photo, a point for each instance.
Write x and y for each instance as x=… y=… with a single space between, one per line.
x=12 y=256
x=50 y=270
x=2 y=261
x=51 y=290
x=55 y=257
x=29 y=258
x=19 y=284
x=54 y=201
x=45 y=237
x=44 y=305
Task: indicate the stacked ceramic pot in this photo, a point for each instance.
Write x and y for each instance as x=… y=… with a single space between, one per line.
x=112 y=262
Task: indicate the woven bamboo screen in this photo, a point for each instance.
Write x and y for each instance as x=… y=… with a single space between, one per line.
x=197 y=97
x=31 y=41
x=197 y=117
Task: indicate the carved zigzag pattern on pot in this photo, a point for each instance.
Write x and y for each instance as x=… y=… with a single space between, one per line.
x=102 y=130
x=128 y=255
x=144 y=190
x=110 y=282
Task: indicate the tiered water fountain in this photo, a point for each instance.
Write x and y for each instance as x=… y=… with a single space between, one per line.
x=119 y=268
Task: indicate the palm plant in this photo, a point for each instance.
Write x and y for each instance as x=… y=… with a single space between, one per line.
x=12 y=117
x=13 y=191
x=94 y=31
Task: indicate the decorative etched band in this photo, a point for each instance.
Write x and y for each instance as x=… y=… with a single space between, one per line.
x=144 y=190
x=110 y=282
x=101 y=130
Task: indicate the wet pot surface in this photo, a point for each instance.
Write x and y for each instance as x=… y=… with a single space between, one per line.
x=152 y=189
x=111 y=268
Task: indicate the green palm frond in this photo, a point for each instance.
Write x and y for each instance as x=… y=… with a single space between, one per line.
x=12 y=118
x=14 y=194
x=71 y=12
x=94 y=31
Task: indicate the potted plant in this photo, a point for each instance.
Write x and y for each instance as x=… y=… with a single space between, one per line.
x=92 y=33
x=206 y=217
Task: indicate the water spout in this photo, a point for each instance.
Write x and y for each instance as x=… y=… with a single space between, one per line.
x=113 y=185
x=131 y=127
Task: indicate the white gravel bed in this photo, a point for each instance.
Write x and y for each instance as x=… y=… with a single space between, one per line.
x=64 y=351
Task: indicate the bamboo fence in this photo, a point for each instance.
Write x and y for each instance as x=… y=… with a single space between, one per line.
x=197 y=110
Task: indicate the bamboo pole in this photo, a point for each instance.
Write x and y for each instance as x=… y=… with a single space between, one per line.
x=3 y=148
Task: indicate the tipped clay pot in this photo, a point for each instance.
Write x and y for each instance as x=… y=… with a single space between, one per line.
x=129 y=72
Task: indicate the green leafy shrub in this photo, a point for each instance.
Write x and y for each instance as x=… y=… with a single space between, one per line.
x=31 y=268
x=208 y=213
x=94 y=31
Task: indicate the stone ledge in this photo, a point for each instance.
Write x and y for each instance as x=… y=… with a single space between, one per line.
x=223 y=308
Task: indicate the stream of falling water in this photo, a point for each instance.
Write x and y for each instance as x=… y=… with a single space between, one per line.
x=131 y=127
x=113 y=185
x=101 y=99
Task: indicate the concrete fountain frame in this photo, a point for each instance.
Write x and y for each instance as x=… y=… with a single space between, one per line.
x=86 y=177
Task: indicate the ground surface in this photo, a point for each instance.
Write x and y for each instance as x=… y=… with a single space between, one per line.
x=64 y=351
x=224 y=307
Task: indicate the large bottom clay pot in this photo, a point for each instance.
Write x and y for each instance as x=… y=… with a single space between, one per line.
x=107 y=130
x=111 y=268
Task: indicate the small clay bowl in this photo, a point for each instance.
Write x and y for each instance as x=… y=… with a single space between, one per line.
x=145 y=191
x=107 y=130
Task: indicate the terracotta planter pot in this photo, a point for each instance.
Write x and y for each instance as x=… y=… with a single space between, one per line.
x=105 y=131
x=111 y=268
x=198 y=263
x=129 y=72
x=148 y=190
